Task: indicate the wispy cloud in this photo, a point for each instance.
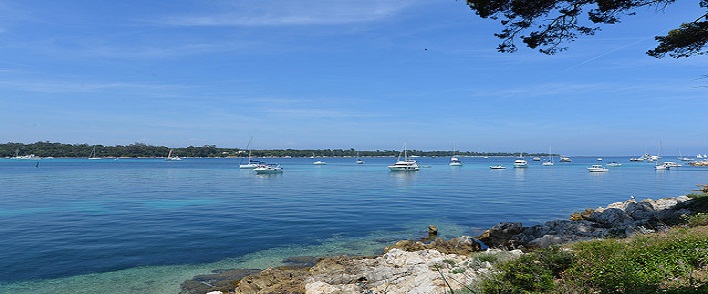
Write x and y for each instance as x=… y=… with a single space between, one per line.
x=57 y=86
x=280 y=13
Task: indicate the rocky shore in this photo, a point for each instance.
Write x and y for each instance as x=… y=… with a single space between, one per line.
x=434 y=265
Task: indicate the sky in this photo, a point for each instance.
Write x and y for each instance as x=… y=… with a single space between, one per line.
x=339 y=74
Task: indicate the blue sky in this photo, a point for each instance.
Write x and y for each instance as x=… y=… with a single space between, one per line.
x=365 y=74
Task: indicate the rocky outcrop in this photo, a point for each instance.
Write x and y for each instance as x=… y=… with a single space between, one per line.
x=396 y=271
x=620 y=219
x=462 y=246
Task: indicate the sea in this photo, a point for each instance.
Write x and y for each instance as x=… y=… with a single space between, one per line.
x=147 y=225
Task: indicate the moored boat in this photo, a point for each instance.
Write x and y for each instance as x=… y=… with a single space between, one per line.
x=172 y=158
x=521 y=162
x=597 y=168
x=406 y=164
x=264 y=168
x=250 y=164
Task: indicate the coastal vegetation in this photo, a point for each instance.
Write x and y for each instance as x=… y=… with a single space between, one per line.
x=671 y=261
x=142 y=150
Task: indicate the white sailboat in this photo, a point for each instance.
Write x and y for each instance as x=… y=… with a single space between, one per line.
x=659 y=165
x=251 y=164
x=358 y=159
x=92 y=156
x=549 y=162
x=406 y=164
x=172 y=158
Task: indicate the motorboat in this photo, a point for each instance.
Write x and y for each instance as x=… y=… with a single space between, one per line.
x=521 y=163
x=565 y=159
x=672 y=164
x=406 y=164
x=319 y=162
x=497 y=167
x=27 y=157
x=265 y=168
x=454 y=161
x=597 y=168
x=662 y=167
x=537 y=158
x=614 y=164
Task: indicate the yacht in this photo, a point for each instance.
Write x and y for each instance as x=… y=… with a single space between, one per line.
x=597 y=168
x=264 y=168
x=521 y=163
x=406 y=164
x=454 y=161
x=672 y=164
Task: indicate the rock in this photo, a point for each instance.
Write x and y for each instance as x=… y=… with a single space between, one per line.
x=665 y=203
x=432 y=230
x=301 y=261
x=641 y=212
x=462 y=245
x=558 y=232
x=500 y=234
x=612 y=217
x=273 y=281
x=397 y=271
x=221 y=280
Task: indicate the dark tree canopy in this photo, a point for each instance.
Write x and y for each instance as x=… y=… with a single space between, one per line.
x=547 y=24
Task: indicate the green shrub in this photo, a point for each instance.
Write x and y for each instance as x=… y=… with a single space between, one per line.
x=675 y=261
x=643 y=264
x=699 y=219
x=531 y=273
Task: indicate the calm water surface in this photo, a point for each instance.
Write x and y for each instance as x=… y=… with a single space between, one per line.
x=80 y=226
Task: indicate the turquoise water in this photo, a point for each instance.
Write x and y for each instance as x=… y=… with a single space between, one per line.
x=146 y=225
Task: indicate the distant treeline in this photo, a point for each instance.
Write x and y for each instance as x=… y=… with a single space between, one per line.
x=48 y=149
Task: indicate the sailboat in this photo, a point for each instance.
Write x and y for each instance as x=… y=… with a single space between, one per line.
x=549 y=162
x=252 y=164
x=659 y=165
x=358 y=159
x=454 y=161
x=92 y=156
x=172 y=158
x=406 y=164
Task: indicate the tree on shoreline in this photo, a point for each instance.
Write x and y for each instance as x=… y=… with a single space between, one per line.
x=137 y=150
x=551 y=23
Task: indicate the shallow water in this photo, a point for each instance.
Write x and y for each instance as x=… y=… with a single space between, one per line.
x=146 y=225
